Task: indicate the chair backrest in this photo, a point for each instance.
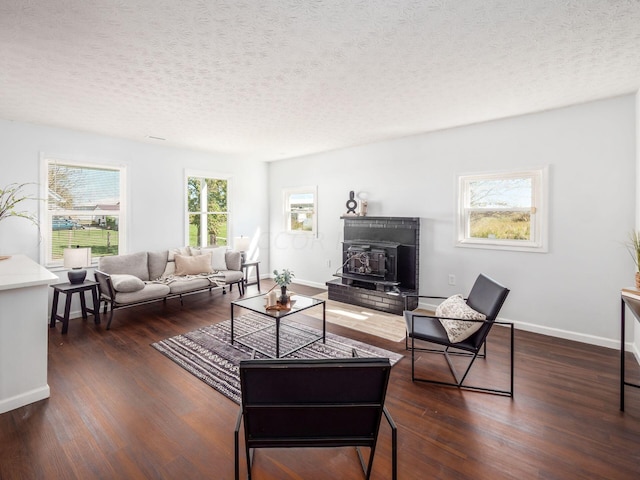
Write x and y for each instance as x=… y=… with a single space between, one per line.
x=487 y=296
x=301 y=403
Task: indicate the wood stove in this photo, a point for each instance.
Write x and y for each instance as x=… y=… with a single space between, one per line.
x=380 y=262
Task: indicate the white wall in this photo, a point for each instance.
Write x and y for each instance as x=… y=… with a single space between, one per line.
x=572 y=291
x=155 y=185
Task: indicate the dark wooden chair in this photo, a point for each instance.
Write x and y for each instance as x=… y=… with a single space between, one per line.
x=487 y=297
x=313 y=403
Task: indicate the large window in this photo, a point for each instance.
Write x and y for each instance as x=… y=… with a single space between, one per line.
x=503 y=210
x=207 y=210
x=84 y=206
x=300 y=209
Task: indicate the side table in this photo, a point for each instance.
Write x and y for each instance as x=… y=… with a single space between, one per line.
x=631 y=298
x=69 y=289
x=245 y=267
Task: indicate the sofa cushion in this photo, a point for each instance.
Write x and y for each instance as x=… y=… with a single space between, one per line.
x=184 y=285
x=231 y=276
x=233 y=260
x=456 y=307
x=151 y=291
x=178 y=251
x=126 y=283
x=218 y=261
x=188 y=265
x=131 y=264
x=157 y=263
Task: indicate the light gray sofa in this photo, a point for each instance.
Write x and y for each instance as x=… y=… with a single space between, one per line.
x=142 y=277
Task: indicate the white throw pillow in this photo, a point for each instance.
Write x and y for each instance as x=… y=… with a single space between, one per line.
x=218 y=257
x=178 y=251
x=456 y=307
x=126 y=283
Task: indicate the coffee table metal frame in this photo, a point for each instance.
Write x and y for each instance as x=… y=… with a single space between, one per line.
x=257 y=304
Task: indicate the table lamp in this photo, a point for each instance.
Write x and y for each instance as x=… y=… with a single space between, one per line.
x=76 y=260
x=242 y=244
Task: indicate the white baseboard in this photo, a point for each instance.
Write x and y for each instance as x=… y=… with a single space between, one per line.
x=25 y=398
x=565 y=334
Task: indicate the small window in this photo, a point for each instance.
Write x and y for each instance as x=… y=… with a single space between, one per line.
x=84 y=206
x=300 y=210
x=503 y=210
x=207 y=210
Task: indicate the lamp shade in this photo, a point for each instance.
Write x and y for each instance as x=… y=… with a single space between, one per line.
x=76 y=259
x=241 y=244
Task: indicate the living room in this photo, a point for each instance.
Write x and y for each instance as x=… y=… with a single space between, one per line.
x=570 y=292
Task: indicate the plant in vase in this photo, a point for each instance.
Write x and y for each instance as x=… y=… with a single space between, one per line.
x=633 y=245
x=283 y=279
x=10 y=197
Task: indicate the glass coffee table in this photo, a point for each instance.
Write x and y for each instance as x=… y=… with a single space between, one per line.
x=257 y=304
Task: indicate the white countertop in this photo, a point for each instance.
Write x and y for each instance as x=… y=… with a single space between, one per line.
x=20 y=271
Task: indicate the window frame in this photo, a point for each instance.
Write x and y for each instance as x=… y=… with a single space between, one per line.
x=538 y=243
x=211 y=176
x=287 y=212
x=46 y=247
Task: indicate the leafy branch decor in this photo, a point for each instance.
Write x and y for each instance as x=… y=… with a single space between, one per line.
x=12 y=195
x=633 y=245
x=283 y=278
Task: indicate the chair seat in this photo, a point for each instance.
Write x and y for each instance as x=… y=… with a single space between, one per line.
x=431 y=330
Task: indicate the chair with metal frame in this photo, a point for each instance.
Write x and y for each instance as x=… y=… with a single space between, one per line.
x=486 y=297
x=292 y=403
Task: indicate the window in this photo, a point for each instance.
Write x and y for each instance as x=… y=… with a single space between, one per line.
x=207 y=210
x=84 y=206
x=300 y=210
x=503 y=210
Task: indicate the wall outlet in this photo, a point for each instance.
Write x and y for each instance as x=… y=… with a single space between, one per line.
x=328 y=263
x=452 y=279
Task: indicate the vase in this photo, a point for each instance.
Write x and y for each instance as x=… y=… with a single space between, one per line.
x=638 y=280
x=283 y=295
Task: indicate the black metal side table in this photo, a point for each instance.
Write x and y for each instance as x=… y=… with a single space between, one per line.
x=631 y=298
x=69 y=289
x=245 y=267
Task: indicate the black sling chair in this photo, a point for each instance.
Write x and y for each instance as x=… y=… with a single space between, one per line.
x=487 y=297
x=313 y=403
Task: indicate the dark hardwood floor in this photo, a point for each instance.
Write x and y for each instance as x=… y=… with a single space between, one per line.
x=121 y=410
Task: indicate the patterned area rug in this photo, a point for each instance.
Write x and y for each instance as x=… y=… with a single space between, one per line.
x=207 y=353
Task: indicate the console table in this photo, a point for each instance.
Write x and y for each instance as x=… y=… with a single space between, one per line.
x=631 y=298
x=69 y=289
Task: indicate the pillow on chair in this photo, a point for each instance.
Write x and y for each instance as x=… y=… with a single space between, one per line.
x=456 y=307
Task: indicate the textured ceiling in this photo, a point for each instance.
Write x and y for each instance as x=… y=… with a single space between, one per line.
x=273 y=79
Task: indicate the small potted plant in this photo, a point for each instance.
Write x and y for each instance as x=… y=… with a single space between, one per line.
x=633 y=245
x=283 y=279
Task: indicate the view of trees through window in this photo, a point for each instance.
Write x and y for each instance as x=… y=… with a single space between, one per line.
x=207 y=205
x=83 y=209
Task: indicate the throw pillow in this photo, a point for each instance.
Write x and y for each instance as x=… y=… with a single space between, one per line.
x=218 y=261
x=178 y=251
x=456 y=307
x=188 y=265
x=126 y=283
